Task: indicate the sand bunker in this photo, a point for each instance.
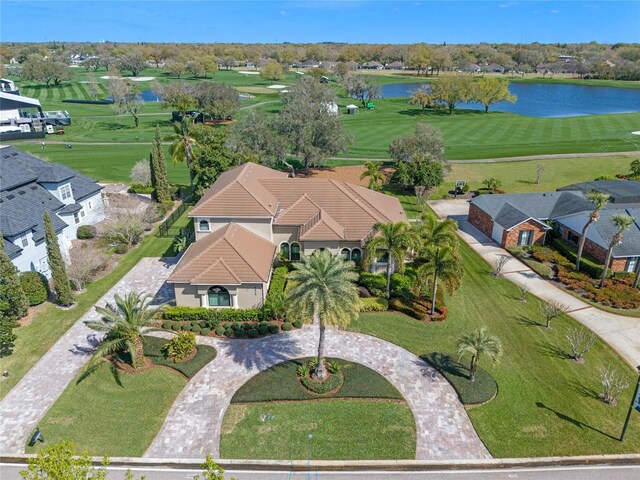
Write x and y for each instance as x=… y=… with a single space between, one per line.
x=277 y=87
x=133 y=79
x=248 y=73
x=637 y=132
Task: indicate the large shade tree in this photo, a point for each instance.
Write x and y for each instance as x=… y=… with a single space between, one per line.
x=621 y=223
x=476 y=345
x=122 y=323
x=490 y=90
x=392 y=240
x=599 y=201
x=324 y=290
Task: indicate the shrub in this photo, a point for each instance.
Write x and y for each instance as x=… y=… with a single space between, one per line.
x=180 y=346
x=121 y=249
x=219 y=330
x=140 y=188
x=286 y=326
x=176 y=327
x=278 y=281
x=194 y=324
x=203 y=324
x=211 y=316
x=375 y=283
x=274 y=328
x=228 y=332
x=167 y=325
x=374 y=304
x=185 y=327
x=330 y=384
x=35 y=286
x=252 y=333
x=240 y=332
x=402 y=283
x=205 y=331
x=297 y=324
x=586 y=265
x=86 y=232
x=197 y=330
x=263 y=329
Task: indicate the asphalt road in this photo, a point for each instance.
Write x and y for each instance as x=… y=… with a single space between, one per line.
x=593 y=472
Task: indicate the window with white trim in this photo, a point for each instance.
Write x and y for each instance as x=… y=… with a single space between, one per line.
x=90 y=205
x=82 y=214
x=203 y=226
x=65 y=191
x=24 y=240
x=76 y=217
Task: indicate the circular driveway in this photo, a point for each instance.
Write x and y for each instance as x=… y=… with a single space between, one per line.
x=192 y=427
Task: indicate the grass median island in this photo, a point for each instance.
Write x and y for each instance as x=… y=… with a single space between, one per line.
x=272 y=416
x=547 y=405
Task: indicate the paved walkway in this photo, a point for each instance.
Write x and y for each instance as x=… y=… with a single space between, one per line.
x=26 y=404
x=620 y=332
x=192 y=427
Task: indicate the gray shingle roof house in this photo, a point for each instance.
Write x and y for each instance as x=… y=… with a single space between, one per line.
x=524 y=219
x=29 y=187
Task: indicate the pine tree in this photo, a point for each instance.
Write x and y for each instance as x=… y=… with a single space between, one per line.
x=159 y=171
x=61 y=284
x=13 y=302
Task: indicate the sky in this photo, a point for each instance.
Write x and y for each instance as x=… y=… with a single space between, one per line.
x=302 y=21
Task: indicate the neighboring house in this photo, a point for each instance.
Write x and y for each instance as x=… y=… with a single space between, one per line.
x=525 y=219
x=397 y=65
x=373 y=65
x=492 y=68
x=28 y=188
x=253 y=213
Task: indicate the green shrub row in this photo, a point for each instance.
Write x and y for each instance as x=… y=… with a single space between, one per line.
x=236 y=329
x=35 y=286
x=587 y=265
x=278 y=281
x=374 y=304
x=523 y=254
x=375 y=283
x=210 y=315
x=140 y=188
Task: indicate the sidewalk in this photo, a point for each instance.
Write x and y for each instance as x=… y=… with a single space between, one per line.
x=26 y=404
x=620 y=332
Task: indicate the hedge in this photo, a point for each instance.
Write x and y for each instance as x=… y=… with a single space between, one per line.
x=35 y=286
x=587 y=265
x=375 y=283
x=140 y=188
x=278 y=281
x=211 y=316
x=374 y=304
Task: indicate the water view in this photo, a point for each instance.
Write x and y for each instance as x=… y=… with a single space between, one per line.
x=548 y=100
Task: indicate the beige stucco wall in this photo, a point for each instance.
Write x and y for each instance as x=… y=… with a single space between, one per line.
x=186 y=295
x=259 y=226
x=284 y=234
x=248 y=295
x=251 y=295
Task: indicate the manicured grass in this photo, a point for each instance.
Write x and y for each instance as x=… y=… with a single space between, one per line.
x=546 y=405
x=106 y=163
x=473 y=134
x=153 y=349
x=281 y=383
x=51 y=322
x=340 y=429
x=103 y=418
x=518 y=177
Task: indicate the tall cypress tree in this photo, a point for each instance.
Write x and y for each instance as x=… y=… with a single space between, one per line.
x=13 y=302
x=61 y=284
x=159 y=179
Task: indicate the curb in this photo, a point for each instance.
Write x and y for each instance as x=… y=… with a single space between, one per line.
x=355 y=465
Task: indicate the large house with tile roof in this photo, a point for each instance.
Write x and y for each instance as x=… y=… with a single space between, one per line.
x=252 y=214
x=29 y=187
x=525 y=219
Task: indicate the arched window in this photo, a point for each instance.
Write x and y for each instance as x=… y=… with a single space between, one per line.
x=203 y=226
x=344 y=253
x=295 y=252
x=356 y=255
x=383 y=258
x=219 y=297
x=284 y=251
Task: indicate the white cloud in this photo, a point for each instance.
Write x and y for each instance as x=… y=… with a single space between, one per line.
x=508 y=4
x=554 y=10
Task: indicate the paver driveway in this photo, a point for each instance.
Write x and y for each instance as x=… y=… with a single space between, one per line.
x=193 y=425
x=29 y=400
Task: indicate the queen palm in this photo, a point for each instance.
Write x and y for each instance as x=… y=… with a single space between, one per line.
x=373 y=173
x=442 y=264
x=599 y=201
x=621 y=222
x=477 y=344
x=183 y=147
x=324 y=289
x=393 y=240
x=122 y=324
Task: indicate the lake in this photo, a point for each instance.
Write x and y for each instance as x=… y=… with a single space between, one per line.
x=547 y=100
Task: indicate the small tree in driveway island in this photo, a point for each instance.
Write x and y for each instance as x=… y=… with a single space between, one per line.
x=477 y=344
x=324 y=289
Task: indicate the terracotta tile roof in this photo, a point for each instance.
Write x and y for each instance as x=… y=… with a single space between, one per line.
x=349 y=211
x=321 y=227
x=230 y=256
x=238 y=192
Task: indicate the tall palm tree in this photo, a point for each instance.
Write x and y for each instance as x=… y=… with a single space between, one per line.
x=442 y=263
x=183 y=147
x=393 y=240
x=373 y=173
x=599 y=201
x=621 y=222
x=324 y=288
x=122 y=324
x=476 y=344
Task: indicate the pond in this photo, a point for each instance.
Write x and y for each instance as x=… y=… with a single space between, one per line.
x=548 y=100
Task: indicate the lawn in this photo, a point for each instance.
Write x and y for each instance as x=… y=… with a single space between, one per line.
x=321 y=430
x=103 y=418
x=519 y=177
x=547 y=405
x=50 y=322
x=281 y=383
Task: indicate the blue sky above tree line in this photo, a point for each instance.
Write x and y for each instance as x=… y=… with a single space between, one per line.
x=355 y=21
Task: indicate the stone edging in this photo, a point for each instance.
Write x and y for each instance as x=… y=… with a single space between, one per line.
x=357 y=465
